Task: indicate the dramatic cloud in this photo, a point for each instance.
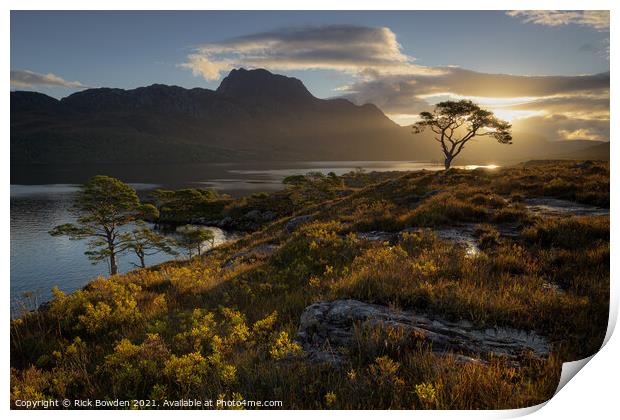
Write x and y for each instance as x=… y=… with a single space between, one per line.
x=29 y=79
x=397 y=93
x=352 y=49
x=597 y=19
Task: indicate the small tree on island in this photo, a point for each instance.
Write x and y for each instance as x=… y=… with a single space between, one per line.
x=192 y=238
x=104 y=205
x=456 y=122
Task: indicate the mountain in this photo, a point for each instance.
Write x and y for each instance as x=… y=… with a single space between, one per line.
x=253 y=115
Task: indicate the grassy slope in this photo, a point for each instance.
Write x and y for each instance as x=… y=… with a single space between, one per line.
x=207 y=328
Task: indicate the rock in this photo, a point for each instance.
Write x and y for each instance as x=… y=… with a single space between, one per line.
x=269 y=216
x=295 y=222
x=555 y=207
x=377 y=235
x=253 y=215
x=226 y=222
x=259 y=251
x=257 y=216
x=327 y=329
x=264 y=250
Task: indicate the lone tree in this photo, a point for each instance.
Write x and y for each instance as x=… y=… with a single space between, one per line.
x=456 y=122
x=144 y=242
x=192 y=238
x=103 y=206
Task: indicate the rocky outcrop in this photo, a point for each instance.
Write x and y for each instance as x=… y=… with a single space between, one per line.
x=328 y=329
x=258 y=252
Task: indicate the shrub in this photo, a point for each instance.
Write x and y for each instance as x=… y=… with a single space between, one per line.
x=488 y=200
x=187 y=372
x=283 y=347
x=132 y=370
x=313 y=247
x=569 y=233
x=444 y=209
x=377 y=215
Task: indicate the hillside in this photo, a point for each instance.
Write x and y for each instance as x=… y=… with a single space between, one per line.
x=422 y=272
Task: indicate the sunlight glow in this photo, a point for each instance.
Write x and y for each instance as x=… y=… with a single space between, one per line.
x=472 y=167
x=500 y=106
x=511 y=114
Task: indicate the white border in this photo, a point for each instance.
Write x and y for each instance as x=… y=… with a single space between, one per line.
x=594 y=394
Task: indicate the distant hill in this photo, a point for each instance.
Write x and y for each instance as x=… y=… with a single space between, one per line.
x=528 y=146
x=253 y=115
x=596 y=152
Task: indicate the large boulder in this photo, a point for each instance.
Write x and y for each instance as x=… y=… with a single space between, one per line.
x=327 y=329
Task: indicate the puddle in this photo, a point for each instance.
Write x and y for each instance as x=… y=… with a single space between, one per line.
x=556 y=207
x=464 y=236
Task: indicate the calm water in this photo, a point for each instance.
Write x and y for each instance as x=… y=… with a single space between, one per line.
x=41 y=198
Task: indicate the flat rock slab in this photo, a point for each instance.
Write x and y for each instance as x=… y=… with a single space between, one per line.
x=556 y=207
x=259 y=251
x=378 y=235
x=328 y=327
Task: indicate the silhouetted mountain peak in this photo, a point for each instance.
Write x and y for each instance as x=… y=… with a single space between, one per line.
x=260 y=83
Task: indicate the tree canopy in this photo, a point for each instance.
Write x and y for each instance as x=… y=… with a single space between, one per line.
x=192 y=238
x=456 y=122
x=103 y=205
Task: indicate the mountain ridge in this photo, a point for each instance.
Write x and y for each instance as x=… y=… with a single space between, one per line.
x=254 y=114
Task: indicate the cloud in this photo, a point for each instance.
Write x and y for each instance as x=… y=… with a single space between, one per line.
x=399 y=93
x=361 y=50
x=562 y=127
x=557 y=107
x=575 y=106
x=597 y=19
x=28 y=79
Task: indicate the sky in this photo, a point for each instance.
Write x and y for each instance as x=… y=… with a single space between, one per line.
x=544 y=71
